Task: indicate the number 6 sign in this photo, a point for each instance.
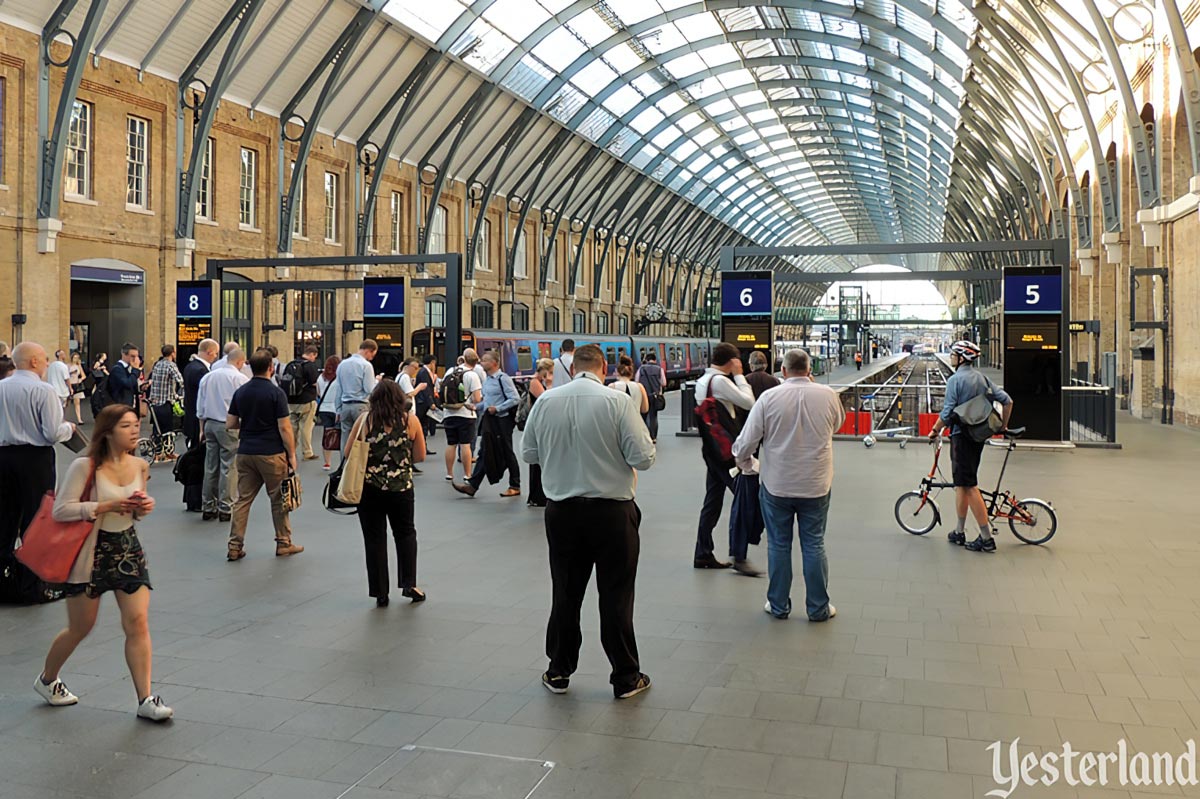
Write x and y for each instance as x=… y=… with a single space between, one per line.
x=745 y=296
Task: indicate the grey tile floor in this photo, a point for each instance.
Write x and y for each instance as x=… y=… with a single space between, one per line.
x=288 y=682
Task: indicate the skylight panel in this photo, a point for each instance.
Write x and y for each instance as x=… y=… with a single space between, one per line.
x=761 y=115
x=685 y=65
x=428 y=19
x=701 y=162
x=690 y=121
x=718 y=107
x=594 y=77
x=516 y=18
x=483 y=46
x=559 y=49
x=697 y=26
x=631 y=11
x=683 y=149
x=622 y=100
x=665 y=138
x=661 y=39
x=644 y=122
x=590 y=27
x=720 y=54
x=623 y=58
x=739 y=77
x=646 y=83
x=672 y=103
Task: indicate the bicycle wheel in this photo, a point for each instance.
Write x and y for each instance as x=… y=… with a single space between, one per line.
x=916 y=514
x=1033 y=521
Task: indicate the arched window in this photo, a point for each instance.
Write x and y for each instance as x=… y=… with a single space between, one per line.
x=437 y=231
x=602 y=323
x=552 y=323
x=483 y=259
x=520 y=254
x=578 y=322
x=435 y=311
x=520 y=316
x=623 y=325
x=483 y=314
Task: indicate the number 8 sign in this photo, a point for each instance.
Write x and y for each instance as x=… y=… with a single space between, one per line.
x=193 y=299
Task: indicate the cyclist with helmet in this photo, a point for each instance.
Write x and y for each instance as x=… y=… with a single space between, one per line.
x=965 y=384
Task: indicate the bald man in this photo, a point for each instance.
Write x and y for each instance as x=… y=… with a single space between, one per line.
x=31 y=423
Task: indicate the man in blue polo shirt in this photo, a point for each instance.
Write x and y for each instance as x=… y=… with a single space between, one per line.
x=266 y=454
x=497 y=415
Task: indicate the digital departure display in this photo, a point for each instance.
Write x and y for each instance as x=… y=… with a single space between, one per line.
x=191 y=333
x=1032 y=336
x=388 y=335
x=748 y=335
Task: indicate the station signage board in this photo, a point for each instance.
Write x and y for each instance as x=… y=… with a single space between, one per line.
x=193 y=316
x=1084 y=326
x=1036 y=341
x=747 y=311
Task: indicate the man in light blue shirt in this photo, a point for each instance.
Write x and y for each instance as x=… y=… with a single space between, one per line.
x=964 y=385
x=356 y=381
x=220 y=443
x=496 y=424
x=589 y=440
x=31 y=423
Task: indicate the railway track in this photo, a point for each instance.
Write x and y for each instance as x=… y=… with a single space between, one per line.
x=918 y=386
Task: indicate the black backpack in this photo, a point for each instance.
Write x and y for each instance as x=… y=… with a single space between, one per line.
x=292 y=379
x=454 y=392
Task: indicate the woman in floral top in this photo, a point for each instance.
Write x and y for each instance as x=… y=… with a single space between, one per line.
x=396 y=442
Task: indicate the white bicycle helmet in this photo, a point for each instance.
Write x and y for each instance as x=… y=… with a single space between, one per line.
x=964 y=349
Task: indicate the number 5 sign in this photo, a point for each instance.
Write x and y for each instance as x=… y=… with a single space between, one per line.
x=1032 y=293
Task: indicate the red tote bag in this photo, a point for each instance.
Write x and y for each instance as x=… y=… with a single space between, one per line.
x=48 y=547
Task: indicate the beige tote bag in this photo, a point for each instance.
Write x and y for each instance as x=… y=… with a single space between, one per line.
x=354 y=470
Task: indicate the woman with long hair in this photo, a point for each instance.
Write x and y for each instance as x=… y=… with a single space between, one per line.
x=396 y=442
x=539 y=384
x=75 y=369
x=107 y=486
x=100 y=395
x=327 y=401
x=626 y=384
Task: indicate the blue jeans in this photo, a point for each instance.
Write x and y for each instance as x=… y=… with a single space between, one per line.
x=811 y=513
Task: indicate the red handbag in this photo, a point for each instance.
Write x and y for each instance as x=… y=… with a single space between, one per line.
x=48 y=547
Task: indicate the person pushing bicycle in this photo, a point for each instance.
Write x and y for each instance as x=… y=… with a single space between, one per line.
x=964 y=385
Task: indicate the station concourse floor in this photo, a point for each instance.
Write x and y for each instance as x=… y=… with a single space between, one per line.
x=288 y=682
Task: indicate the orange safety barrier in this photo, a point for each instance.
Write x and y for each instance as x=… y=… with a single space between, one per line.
x=925 y=423
x=858 y=423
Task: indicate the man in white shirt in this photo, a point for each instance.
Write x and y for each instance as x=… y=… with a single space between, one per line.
x=58 y=375
x=794 y=423
x=223 y=361
x=212 y=409
x=408 y=373
x=724 y=378
x=458 y=415
x=564 y=362
x=471 y=360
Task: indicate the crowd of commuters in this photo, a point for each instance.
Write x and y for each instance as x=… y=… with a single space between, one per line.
x=249 y=419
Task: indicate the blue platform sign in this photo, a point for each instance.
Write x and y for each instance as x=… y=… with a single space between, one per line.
x=745 y=297
x=1032 y=293
x=383 y=297
x=193 y=299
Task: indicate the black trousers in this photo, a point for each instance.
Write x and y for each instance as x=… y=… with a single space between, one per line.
x=536 y=495
x=26 y=474
x=717 y=481
x=601 y=533
x=427 y=425
x=375 y=511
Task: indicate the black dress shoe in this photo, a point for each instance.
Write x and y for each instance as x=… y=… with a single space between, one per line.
x=224 y=517
x=709 y=562
x=208 y=516
x=417 y=471
x=381 y=602
x=415 y=594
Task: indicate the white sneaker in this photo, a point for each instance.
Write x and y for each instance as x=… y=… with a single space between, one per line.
x=832 y=613
x=55 y=693
x=153 y=708
x=450 y=477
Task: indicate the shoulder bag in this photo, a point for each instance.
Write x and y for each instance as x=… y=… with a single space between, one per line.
x=978 y=416
x=291 y=491
x=354 y=469
x=48 y=547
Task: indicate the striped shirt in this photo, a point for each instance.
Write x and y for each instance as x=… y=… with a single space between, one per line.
x=166 y=382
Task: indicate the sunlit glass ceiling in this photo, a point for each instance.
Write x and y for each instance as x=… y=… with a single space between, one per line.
x=831 y=122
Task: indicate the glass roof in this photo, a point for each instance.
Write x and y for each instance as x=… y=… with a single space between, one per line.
x=810 y=121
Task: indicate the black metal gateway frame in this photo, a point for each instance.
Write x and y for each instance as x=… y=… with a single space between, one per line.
x=450 y=283
x=979 y=262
